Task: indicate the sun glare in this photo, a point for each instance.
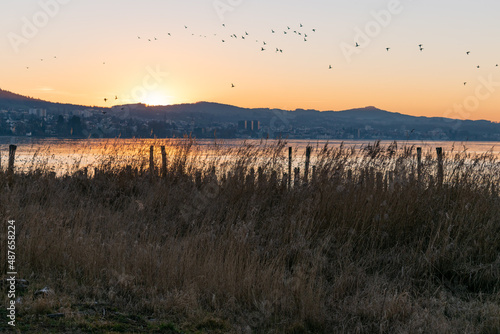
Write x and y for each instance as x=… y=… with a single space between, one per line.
x=157 y=99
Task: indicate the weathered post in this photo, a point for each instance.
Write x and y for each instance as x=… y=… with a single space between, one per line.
x=308 y=161
x=290 y=167
x=314 y=176
x=296 y=180
x=151 y=162
x=440 y=171
x=12 y=157
x=163 y=162
x=419 y=164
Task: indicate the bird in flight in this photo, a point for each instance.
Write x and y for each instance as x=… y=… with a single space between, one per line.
x=232 y=85
x=468 y=52
x=116 y=97
x=301 y=25
x=185 y=27
x=465 y=83
x=105 y=100
x=421 y=49
x=314 y=30
x=330 y=67
x=357 y=45
x=262 y=49
x=387 y=49
x=478 y=66
x=223 y=25
x=272 y=31
x=420 y=45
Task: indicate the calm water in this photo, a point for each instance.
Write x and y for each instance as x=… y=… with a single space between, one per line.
x=62 y=155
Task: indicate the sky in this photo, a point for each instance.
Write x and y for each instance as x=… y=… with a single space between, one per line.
x=110 y=52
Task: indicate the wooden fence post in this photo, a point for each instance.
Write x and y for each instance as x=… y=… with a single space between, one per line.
x=163 y=162
x=151 y=162
x=308 y=161
x=12 y=157
x=296 y=180
x=440 y=171
x=419 y=164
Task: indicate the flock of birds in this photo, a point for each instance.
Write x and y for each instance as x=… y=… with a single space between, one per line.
x=302 y=33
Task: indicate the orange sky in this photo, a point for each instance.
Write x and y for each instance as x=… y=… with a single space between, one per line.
x=98 y=54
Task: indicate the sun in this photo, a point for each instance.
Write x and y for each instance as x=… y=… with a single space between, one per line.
x=156 y=99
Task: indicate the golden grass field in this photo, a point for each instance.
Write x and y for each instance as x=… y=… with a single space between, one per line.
x=214 y=245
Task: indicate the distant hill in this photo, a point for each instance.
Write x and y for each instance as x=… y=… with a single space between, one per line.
x=12 y=101
x=371 y=121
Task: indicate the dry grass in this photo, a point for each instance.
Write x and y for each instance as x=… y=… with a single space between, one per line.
x=214 y=246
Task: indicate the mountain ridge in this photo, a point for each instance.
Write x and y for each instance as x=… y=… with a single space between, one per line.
x=367 y=122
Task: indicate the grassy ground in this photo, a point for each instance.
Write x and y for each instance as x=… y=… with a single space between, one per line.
x=367 y=245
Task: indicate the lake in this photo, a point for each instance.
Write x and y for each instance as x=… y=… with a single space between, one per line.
x=63 y=155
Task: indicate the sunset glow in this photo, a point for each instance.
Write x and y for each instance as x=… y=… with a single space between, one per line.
x=277 y=55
